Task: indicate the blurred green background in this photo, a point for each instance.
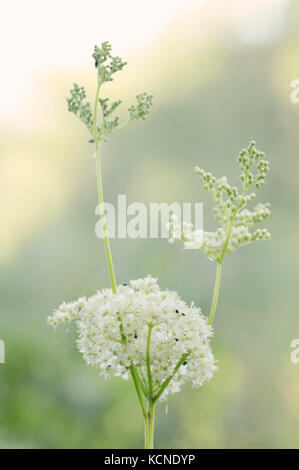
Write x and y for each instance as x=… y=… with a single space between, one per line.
x=221 y=74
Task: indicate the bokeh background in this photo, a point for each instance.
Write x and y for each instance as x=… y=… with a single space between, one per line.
x=221 y=73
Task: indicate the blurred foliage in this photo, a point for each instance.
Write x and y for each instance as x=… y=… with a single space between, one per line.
x=49 y=252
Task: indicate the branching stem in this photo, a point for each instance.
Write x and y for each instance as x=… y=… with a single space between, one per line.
x=167 y=381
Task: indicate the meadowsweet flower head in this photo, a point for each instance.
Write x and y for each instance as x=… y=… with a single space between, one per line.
x=176 y=330
x=236 y=220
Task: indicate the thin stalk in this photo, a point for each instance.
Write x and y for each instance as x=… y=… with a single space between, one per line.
x=148 y=360
x=141 y=384
x=100 y=196
x=167 y=381
x=135 y=381
x=221 y=258
x=216 y=293
x=149 y=425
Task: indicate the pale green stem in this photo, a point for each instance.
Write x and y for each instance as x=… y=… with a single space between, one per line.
x=100 y=196
x=216 y=293
x=218 y=276
x=149 y=421
x=142 y=385
x=135 y=381
x=167 y=381
x=148 y=359
x=220 y=260
x=149 y=425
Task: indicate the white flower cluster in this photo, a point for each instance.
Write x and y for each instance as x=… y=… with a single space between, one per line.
x=114 y=331
x=230 y=211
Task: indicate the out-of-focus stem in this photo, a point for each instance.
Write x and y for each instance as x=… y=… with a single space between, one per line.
x=216 y=293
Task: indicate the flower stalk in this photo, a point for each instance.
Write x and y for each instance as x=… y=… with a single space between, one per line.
x=236 y=221
x=149 y=425
x=215 y=293
x=101 y=198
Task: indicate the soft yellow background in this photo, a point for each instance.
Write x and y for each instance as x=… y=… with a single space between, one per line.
x=220 y=72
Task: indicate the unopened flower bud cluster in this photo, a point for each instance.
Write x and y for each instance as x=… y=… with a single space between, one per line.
x=107 y=65
x=236 y=220
x=142 y=108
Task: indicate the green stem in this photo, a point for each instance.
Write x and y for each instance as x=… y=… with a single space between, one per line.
x=167 y=381
x=221 y=258
x=100 y=196
x=141 y=384
x=216 y=293
x=139 y=396
x=149 y=420
x=104 y=224
x=148 y=359
x=149 y=425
